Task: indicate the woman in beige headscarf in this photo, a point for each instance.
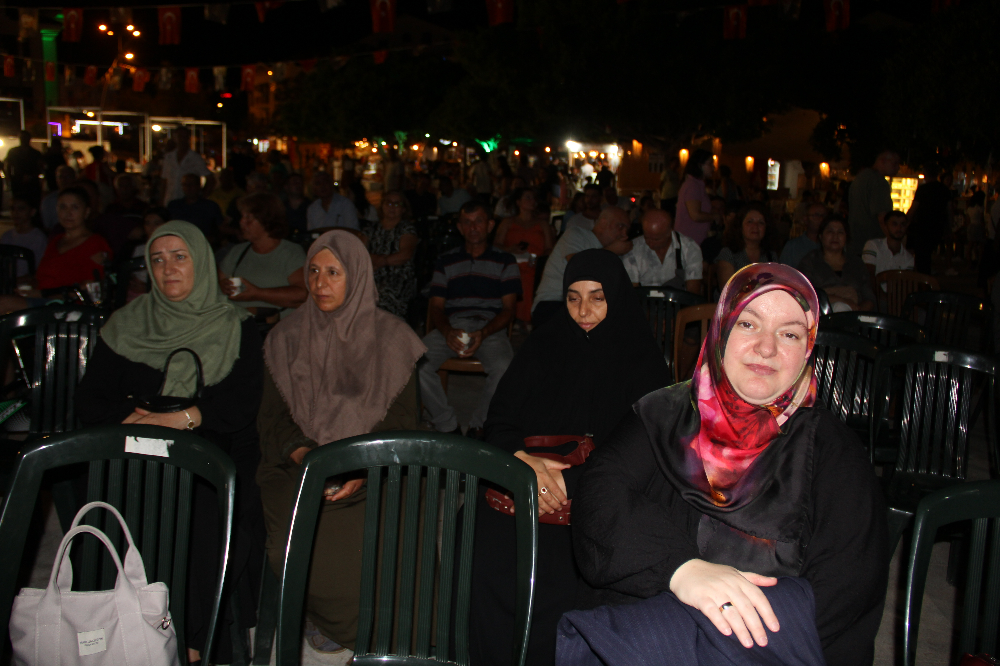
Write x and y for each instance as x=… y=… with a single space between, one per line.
x=336 y=368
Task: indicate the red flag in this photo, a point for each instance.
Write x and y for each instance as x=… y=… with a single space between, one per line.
x=263 y=7
x=380 y=57
x=191 y=82
x=838 y=14
x=90 y=75
x=170 y=25
x=72 y=24
x=500 y=11
x=248 y=77
x=50 y=71
x=308 y=65
x=8 y=67
x=383 y=15
x=140 y=79
x=734 y=22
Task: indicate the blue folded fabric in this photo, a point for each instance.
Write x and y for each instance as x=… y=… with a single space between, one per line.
x=663 y=630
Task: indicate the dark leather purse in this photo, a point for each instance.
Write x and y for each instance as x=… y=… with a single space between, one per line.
x=167 y=404
x=505 y=504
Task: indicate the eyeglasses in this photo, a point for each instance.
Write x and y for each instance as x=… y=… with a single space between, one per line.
x=394 y=204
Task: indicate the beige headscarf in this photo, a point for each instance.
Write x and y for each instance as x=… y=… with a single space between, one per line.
x=340 y=371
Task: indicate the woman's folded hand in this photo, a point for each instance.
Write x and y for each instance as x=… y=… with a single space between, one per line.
x=708 y=586
x=551 y=485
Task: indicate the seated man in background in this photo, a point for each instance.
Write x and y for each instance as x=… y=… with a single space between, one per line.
x=610 y=232
x=800 y=246
x=330 y=209
x=472 y=299
x=591 y=209
x=193 y=207
x=888 y=253
x=662 y=257
x=451 y=199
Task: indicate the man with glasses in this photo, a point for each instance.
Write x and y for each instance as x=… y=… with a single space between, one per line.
x=802 y=245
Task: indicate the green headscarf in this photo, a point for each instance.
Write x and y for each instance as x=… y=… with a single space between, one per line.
x=150 y=327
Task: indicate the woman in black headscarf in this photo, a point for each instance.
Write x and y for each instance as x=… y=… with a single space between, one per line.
x=576 y=375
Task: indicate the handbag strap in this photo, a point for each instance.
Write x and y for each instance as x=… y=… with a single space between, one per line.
x=48 y=616
x=133 y=564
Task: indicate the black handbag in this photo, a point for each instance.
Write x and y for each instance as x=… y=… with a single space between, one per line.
x=166 y=404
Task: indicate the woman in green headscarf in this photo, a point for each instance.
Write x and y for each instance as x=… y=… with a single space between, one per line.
x=185 y=308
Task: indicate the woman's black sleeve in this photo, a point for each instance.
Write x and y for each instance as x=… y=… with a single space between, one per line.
x=631 y=531
x=104 y=395
x=232 y=404
x=507 y=407
x=847 y=559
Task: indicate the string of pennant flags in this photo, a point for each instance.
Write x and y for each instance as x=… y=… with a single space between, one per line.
x=383 y=12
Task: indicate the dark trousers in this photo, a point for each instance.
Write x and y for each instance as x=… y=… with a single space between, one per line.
x=662 y=630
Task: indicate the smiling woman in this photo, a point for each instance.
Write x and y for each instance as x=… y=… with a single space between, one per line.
x=719 y=486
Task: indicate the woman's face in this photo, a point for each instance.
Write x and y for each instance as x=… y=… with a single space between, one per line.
x=834 y=237
x=753 y=227
x=766 y=348
x=172 y=267
x=251 y=228
x=327 y=281
x=527 y=201
x=72 y=211
x=708 y=168
x=586 y=303
x=392 y=207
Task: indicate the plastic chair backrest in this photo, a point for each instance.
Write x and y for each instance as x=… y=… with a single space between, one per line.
x=424 y=456
x=980 y=503
x=933 y=420
x=892 y=288
x=824 y=302
x=9 y=256
x=64 y=338
x=701 y=313
x=153 y=493
x=661 y=304
x=843 y=364
x=950 y=318
x=886 y=331
x=124 y=275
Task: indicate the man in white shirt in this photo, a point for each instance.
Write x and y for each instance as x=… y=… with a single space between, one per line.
x=662 y=257
x=330 y=209
x=888 y=254
x=591 y=209
x=451 y=199
x=610 y=232
x=180 y=162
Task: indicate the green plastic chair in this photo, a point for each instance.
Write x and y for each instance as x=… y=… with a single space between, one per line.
x=661 y=305
x=425 y=456
x=843 y=364
x=824 y=302
x=980 y=503
x=153 y=493
x=886 y=331
x=931 y=421
x=950 y=318
x=64 y=337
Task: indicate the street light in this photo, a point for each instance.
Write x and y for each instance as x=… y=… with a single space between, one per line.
x=156 y=128
x=102 y=27
x=129 y=56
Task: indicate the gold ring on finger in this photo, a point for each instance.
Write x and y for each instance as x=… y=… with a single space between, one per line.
x=726 y=605
x=543 y=490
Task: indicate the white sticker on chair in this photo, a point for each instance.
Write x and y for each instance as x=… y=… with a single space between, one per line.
x=73 y=316
x=148 y=446
x=941 y=357
x=656 y=294
x=867 y=320
x=91 y=642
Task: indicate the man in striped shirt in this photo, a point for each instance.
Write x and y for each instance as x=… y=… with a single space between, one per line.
x=473 y=294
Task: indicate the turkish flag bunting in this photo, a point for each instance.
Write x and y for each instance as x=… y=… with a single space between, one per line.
x=380 y=57
x=838 y=14
x=383 y=15
x=734 y=22
x=50 y=71
x=8 y=67
x=170 y=25
x=90 y=75
x=248 y=77
x=72 y=24
x=263 y=7
x=500 y=11
x=191 y=82
x=140 y=79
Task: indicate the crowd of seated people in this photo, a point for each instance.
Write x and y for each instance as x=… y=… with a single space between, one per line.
x=677 y=518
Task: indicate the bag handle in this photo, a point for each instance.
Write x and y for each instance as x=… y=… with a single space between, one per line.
x=48 y=617
x=199 y=381
x=135 y=567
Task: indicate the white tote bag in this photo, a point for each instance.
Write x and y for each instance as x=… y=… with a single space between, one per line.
x=128 y=625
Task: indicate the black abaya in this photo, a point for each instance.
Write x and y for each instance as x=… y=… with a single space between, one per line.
x=564 y=381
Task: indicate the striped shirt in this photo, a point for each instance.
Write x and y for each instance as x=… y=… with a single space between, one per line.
x=471 y=286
